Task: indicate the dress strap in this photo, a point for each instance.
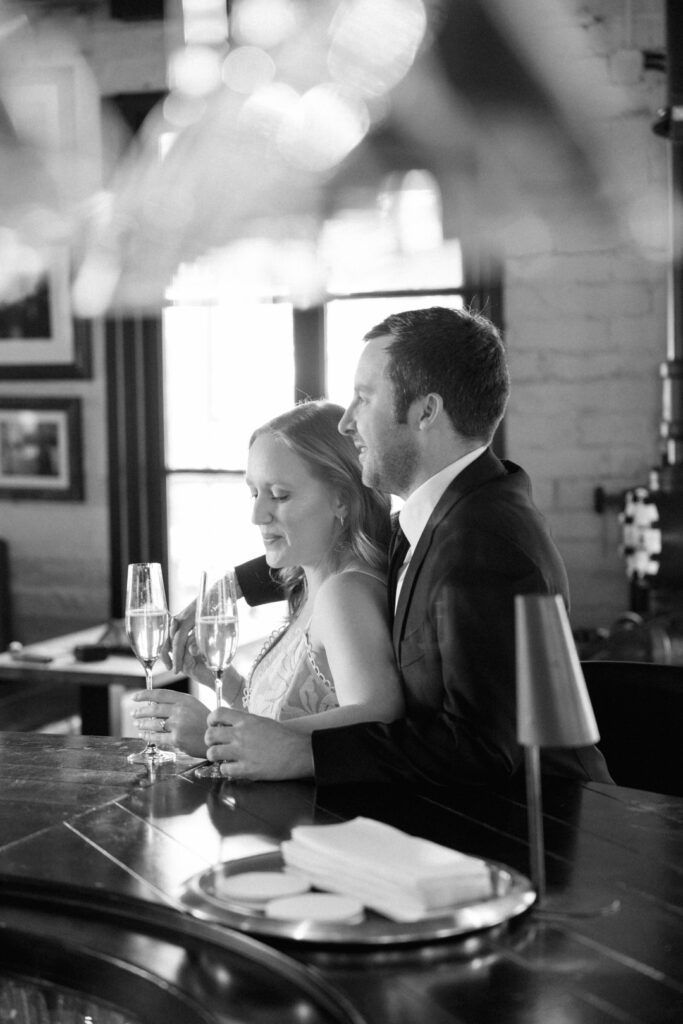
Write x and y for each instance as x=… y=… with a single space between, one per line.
x=314 y=665
x=310 y=653
x=373 y=574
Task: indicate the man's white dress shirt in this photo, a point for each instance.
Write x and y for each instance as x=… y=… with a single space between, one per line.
x=419 y=506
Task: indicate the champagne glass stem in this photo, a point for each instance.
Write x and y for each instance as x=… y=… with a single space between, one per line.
x=213 y=771
x=151 y=749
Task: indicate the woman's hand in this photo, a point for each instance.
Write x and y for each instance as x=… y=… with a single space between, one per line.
x=171 y=716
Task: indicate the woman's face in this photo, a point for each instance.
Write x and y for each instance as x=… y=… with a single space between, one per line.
x=297 y=514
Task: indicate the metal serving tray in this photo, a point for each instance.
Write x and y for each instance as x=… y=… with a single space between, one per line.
x=511 y=895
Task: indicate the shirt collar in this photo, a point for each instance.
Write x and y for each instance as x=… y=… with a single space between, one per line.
x=417 y=509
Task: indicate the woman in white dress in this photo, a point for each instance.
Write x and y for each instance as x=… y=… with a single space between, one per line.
x=326 y=536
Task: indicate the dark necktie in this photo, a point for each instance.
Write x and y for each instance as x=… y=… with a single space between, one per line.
x=398 y=549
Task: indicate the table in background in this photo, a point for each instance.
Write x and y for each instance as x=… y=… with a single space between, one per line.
x=100 y=684
x=72 y=810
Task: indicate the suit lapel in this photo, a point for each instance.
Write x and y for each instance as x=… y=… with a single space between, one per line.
x=485 y=468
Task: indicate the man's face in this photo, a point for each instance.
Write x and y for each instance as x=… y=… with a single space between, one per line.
x=387 y=450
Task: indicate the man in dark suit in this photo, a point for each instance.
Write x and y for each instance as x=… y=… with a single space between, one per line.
x=431 y=387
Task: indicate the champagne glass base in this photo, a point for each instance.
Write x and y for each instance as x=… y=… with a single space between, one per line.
x=208 y=771
x=153 y=756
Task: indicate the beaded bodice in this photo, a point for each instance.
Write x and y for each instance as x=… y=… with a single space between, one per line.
x=285 y=680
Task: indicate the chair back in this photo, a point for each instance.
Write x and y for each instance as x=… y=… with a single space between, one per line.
x=5 y=598
x=639 y=711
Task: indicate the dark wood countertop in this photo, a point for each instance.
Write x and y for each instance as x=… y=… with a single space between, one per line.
x=78 y=824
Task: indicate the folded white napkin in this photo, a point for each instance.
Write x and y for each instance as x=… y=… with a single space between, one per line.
x=399 y=875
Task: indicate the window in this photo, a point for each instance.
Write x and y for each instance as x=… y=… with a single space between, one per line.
x=232 y=364
x=226 y=370
x=347 y=320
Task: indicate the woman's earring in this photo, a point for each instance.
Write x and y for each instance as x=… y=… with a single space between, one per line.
x=341 y=520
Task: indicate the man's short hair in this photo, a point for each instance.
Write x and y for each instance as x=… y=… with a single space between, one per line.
x=455 y=353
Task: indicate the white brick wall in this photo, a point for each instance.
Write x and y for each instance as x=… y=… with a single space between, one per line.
x=586 y=329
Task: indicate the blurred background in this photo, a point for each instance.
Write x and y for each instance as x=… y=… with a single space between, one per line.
x=203 y=207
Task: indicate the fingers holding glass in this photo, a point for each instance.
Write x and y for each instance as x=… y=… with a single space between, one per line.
x=151 y=715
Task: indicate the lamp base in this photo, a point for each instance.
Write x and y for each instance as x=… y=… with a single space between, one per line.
x=558 y=908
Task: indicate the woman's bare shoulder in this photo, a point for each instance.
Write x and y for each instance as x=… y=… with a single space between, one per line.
x=353 y=580
x=352 y=594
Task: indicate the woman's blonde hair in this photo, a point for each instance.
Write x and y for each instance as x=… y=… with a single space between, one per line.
x=310 y=431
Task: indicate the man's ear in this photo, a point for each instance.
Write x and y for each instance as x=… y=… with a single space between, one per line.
x=431 y=408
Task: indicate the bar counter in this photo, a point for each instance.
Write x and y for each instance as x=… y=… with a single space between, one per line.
x=94 y=853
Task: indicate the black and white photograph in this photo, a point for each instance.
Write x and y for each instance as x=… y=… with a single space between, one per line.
x=341 y=511
x=40 y=454
x=39 y=337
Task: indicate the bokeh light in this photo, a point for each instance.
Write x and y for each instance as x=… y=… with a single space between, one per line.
x=374 y=42
x=247 y=68
x=267 y=107
x=194 y=70
x=323 y=127
x=205 y=22
x=264 y=23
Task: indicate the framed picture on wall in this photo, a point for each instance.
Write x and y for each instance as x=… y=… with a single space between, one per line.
x=41 y=449
x=39 y=338
x=54 y=110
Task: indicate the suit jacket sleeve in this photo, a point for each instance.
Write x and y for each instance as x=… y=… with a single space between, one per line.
x=256 y=582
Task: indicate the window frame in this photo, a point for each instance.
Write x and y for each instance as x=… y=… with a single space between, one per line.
x=137 y=458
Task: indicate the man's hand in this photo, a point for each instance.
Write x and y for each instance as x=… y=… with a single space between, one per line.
x=174 y=651
x=252 y=747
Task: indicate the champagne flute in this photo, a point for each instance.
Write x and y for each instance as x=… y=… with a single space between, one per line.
x=216 y=635
x=147 y=623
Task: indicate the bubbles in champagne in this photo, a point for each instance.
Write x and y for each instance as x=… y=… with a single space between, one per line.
x=217 y=639
x=147 y=632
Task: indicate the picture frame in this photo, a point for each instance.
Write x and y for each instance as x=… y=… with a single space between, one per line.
x=54 y=107
x=39 y=337
x=41 y=454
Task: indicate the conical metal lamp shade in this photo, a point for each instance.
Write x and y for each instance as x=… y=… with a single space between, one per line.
x=553 y=706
